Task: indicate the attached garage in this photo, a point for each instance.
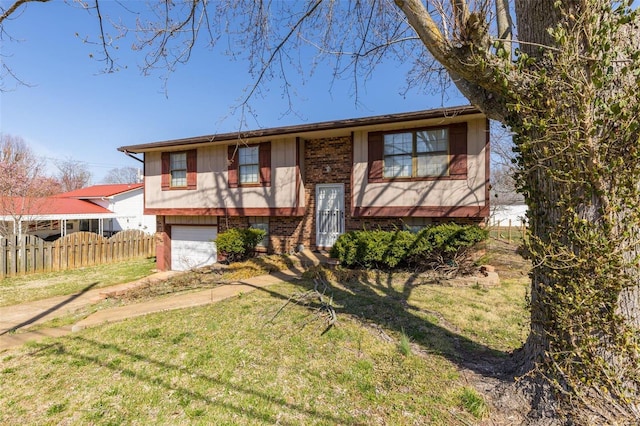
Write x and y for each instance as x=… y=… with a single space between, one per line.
x=192 y=246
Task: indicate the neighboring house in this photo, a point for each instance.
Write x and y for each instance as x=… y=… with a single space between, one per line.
x=50 y=217
x=505 y=215
x=126 y=200
x=102 y=209
x=307 y=184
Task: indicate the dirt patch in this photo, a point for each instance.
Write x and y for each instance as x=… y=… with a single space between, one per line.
x=506 y=260
x=193 y=280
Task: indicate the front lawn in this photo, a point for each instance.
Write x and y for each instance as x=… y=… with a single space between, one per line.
x=394 y=357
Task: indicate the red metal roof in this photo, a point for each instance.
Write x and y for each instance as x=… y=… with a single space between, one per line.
x=97 y=191
x=49 y=206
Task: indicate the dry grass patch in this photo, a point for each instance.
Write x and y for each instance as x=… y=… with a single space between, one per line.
x=260 y=266
x=15 y=290
x=209 y=277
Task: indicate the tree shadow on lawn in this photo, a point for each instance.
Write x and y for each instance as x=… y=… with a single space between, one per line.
x=371 y=298
x=49 y=311
x=381 y=305
x=98 y=349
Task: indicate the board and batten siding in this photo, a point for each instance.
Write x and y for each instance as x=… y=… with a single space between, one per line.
x=212 y=182
x=463 y=193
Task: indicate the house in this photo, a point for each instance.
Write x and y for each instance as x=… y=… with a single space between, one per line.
x=49 y=217
x=509 y=215
x=307 y=184
x=102 y=209
x=125 y=200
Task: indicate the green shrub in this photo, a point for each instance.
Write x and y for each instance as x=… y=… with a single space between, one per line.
x=372 y=249
x=345 y=249
x=239 y=244
x=445 y=244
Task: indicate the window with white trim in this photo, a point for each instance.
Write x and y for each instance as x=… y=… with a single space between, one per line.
x=248 y=164
x=416 y=154
x=178 y=169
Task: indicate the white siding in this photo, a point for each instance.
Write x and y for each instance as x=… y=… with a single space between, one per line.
x=502 y=214
x=129 y=209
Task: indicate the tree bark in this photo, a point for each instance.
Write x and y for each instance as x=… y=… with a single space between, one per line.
x=575 y=118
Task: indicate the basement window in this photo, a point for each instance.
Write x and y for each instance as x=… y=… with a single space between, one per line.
x=261 y=223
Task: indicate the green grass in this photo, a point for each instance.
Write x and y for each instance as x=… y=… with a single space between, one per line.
x=15 y=290
x=404 y=346
x=238 y=363
x=200 y=365
x=473 y=403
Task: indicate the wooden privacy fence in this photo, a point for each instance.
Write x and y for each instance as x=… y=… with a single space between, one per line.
x=27 y=253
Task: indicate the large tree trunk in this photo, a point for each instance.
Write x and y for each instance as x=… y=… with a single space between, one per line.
x=583 y=211
x=571 y=100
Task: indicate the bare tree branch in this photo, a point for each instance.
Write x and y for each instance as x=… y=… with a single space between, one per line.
x=103 y=37
x=6 y=13
x=277 y=49
x=505 y=24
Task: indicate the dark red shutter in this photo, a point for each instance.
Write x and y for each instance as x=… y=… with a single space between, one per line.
x=458 y=149
x=264 y=160
x=192 y=169
x=166 y=177
x=376 y=157
x=232 y=170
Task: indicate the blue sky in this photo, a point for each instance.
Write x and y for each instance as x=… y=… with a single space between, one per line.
x=73 y=110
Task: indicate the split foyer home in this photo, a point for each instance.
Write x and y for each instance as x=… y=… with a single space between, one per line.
x=307 y=184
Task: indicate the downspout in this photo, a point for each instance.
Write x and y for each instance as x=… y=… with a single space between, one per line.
x=128 y=154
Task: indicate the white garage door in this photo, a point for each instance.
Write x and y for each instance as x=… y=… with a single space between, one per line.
x=192 y=247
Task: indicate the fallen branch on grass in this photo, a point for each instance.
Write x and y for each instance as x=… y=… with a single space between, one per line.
x=316 y=300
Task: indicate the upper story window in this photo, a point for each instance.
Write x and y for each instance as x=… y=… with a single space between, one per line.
x=416 y=154
x=248 y=164
x=179 y=170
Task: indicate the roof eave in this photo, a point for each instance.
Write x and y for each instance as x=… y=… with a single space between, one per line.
x=307 y=128
x=61 y=216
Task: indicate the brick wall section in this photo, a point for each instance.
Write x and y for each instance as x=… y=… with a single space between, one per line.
x=163 y=244
x=325 y=161
x=286 y=233
x=227 y=222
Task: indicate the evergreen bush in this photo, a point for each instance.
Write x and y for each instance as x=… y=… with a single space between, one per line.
x=435 y=246
x=239 y=243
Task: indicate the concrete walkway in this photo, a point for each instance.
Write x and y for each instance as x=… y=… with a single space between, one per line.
x=16 y=320
x=186 y=300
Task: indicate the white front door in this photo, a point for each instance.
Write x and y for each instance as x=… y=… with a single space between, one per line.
x=192 y=247
x=329 y=213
